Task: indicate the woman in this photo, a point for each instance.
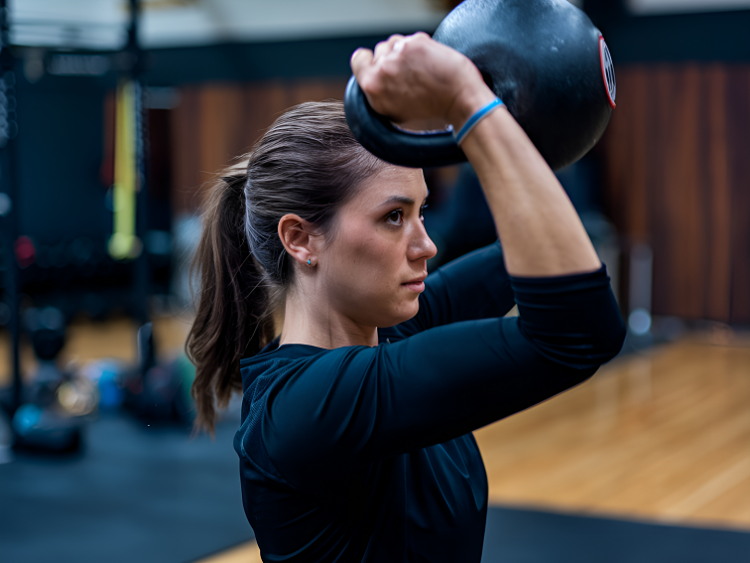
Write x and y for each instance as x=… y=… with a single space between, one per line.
x=356 y=441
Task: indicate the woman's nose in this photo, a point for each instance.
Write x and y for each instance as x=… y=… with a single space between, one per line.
x=421 y=245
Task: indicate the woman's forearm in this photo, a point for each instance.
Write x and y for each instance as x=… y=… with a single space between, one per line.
x=538 y=226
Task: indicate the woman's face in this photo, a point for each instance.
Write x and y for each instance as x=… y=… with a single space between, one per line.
x=373 y=267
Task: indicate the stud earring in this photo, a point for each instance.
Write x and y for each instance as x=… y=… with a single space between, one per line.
x=309 y=262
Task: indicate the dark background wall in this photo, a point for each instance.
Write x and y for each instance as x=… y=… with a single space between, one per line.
x=59 y=155
x=672 y=161
x=704 y=36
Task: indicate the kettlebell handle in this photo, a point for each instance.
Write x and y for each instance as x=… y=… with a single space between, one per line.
x=386 y=141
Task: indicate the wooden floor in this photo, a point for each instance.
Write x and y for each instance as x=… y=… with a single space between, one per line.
x=662 y=435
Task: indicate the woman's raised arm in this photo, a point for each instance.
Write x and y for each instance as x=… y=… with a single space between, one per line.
x=416 y=78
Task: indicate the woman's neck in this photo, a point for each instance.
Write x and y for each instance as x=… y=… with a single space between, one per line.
x=313 y=322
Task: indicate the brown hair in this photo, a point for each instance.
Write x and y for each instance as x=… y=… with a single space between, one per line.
x=308 y=163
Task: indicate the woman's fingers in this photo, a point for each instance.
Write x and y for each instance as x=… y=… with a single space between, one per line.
x=368 y=68
x=364 y=70
x=384 y=48
x=388 y=76
x=414 y=77
x=361 y=59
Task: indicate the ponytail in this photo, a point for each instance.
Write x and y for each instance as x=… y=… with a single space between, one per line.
x=233 y=319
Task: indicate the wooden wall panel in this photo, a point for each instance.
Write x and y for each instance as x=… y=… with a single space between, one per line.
x=263 y=104
x=215 y=123
x=222 y=135
x=677 y=176
x=717 y=199
x=185 y=151
x=738 y=125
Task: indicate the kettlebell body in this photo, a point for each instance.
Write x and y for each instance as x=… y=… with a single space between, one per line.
x=543 y=58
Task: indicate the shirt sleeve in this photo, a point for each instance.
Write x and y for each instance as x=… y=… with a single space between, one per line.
x=475 y=286
x=348 y=407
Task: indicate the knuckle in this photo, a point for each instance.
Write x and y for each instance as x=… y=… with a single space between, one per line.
x=371 y=86
x=389 y=70
x=365 y=82
x=415 y=48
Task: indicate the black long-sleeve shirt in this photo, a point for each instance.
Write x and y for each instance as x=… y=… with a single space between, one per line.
x=366 y=453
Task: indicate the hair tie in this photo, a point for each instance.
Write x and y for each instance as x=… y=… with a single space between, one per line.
x=478 y=116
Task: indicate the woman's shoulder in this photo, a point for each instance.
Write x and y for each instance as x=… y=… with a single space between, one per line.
x=285 y=386
x=299 y=359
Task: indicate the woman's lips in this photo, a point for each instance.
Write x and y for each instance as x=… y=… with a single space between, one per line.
x=414 y=285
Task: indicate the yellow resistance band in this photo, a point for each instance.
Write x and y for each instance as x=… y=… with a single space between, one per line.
x=124 y=244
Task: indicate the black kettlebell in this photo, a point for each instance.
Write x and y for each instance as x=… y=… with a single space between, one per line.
x=543 y=58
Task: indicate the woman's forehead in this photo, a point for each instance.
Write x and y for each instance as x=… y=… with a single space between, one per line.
x=393 y=182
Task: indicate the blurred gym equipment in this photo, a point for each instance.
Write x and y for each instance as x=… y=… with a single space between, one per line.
x=543 y=58
x=56 y=404
x=10 y=214
x=48 y=413
x=159 y=392
x=639 y=295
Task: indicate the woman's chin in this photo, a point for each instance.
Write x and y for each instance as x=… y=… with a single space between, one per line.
x=407 y=312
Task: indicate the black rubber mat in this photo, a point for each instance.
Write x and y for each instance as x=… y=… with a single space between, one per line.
x=142 y=494
x=529 y=536
x=137 y=494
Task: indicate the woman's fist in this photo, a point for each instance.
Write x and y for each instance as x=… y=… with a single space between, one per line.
x=415 y=78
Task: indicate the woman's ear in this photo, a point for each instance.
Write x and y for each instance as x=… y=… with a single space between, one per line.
x=298 y=238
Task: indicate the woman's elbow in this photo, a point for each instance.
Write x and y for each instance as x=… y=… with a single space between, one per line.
x=613 y=338
x=577 y=325
x=606 y=337
x=591 y=339
x=605 y=334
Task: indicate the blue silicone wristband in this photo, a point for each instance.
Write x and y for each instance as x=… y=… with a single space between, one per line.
x=476 y=118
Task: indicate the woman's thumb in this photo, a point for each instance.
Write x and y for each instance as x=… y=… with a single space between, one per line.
x=361 y=59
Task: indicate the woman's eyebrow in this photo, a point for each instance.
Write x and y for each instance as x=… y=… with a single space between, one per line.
x=400 y=199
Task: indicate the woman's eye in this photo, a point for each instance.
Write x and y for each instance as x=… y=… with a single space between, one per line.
x=421 y=210
x=395 y=217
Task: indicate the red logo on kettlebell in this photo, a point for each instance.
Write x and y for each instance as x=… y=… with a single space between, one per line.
x=608 y=72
